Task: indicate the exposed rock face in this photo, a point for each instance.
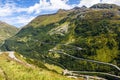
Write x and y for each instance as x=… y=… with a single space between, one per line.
x=105 y=6
x=77 y=8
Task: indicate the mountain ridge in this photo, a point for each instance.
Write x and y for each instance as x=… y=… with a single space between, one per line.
x=105 y=6
x=6 y=31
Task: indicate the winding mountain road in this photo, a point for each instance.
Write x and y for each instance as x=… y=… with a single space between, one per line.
x=79 y=48
x=118 y=77
x=96 y=73
x=115 y=66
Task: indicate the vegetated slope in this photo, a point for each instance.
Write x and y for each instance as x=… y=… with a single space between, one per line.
x=11 y=69
x=95 y=30
x=6 y=31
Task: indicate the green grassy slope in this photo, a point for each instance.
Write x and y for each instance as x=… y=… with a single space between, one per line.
x=44 y=20
x=13 y=70
x=6 y=31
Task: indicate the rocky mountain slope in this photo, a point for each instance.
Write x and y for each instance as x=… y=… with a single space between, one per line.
x=105 y=6
x=6 y=31
x=89 y=33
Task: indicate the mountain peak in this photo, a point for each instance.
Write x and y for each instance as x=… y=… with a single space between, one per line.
x=83 y=7
x=61 y=10
x=4 y=24
x=76 y=8
x=6 y=31
x=105 y=6
x=1 y=22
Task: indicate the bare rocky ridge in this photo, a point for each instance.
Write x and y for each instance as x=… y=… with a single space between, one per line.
x=105 y=6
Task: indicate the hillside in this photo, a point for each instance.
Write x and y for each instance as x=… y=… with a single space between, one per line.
x=20 y=69
x=87 y=33
x=6 y=31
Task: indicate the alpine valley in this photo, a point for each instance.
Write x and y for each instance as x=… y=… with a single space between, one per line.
x=82 y=40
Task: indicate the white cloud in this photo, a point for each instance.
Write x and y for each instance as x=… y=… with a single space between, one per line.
x=111 y=1
x=23 y=19
x=18 y=21
x=60 y=4
x=7 y=9
x=13 y=14
x=51 y=5
x=38 y=6
x=88 y=3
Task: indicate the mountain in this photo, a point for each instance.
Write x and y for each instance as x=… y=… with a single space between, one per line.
x=105 y=6
x=72 y=38
x=6 y=31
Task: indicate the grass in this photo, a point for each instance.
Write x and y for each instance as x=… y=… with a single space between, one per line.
x=48 y=19
x=6 y=31
x=1 y=75
x=17 y=71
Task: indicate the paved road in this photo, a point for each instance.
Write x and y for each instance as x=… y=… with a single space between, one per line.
x=96 y=73
x=115 y=66
x=76 y=74
x=11 y=54
x=79 y=48
x=118 y=77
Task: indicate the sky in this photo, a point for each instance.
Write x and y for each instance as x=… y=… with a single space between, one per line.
x=21 y=12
